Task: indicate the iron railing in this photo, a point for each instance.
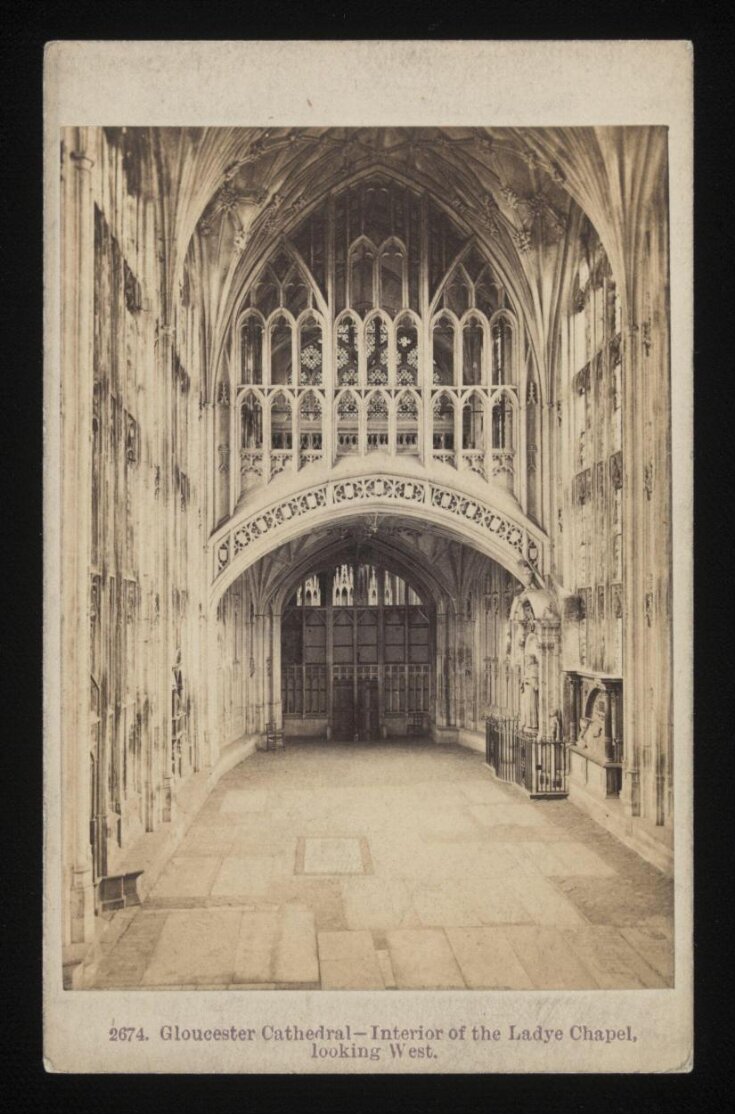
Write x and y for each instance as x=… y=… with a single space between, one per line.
x=538 y=765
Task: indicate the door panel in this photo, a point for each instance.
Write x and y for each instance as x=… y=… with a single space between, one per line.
x=343 y=708
x=368 y=719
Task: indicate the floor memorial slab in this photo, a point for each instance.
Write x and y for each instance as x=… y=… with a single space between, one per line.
x=333 y=856
x=278 y=946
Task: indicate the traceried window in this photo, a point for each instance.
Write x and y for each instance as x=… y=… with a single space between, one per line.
x=375 y=324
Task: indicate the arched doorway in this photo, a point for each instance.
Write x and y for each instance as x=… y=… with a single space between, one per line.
x=357 y=654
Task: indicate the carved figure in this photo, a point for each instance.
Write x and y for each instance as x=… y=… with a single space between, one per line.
x=529 y=695
x=592 y=730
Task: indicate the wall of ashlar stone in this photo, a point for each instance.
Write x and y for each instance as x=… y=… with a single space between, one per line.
x=611 y=526
x=133 y=458
x=587 y=524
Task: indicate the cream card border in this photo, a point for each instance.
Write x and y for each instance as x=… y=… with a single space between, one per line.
x=402 y=83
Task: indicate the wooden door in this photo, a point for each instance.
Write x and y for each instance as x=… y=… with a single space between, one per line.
x=368 y=712
x=343 y=707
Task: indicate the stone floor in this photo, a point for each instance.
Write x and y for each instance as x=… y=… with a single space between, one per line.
x=398 y=865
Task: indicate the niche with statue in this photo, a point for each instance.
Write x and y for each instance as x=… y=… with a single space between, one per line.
x=593 y=705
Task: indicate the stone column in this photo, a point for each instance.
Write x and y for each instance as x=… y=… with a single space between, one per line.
x=77 y=376
x=277 y=710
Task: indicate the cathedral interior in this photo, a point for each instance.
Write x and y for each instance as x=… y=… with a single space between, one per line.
x=366 y=593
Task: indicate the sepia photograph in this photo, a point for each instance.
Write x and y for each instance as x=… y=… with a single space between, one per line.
x=365 y=613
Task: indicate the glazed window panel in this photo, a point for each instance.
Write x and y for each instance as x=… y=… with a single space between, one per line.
x=376 y=346
x=473 y=424
x=252 y=423
x=407 y=423
x=457 y=294
x=296 y=293
x=488 y=297
x=407 y=353
x=251 y=351
x=392 y=270
x=377 y=423
x=281 y=431
x=310 y=353
x=310 y=428
x=362 y=267
x=473 y=341
x=443 y=431
x=502 y=339
x=281 y=352
x=347 y=424
x=443 y=353
x=266 y=294
x=347 y=353
x=502 y=427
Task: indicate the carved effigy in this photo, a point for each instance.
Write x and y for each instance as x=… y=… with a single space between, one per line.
x=593 y=733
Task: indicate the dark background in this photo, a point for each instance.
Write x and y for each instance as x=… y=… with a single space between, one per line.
x=26 y=28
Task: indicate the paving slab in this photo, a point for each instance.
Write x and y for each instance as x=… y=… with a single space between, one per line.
x=348 y=961
x=243 y=801
x=576 y=859
x=655 y=947
x=549 y=959
x=487 y=959
x=520 y=815
x=449 y=904
x=248 y=877
x=295 y=959
x=614 y=962
x=377 y=903
x=543 y=901
x=189 y=876
x=195 y=946
x=422 y=959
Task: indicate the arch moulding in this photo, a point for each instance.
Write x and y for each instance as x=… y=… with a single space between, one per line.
x=508 y=538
